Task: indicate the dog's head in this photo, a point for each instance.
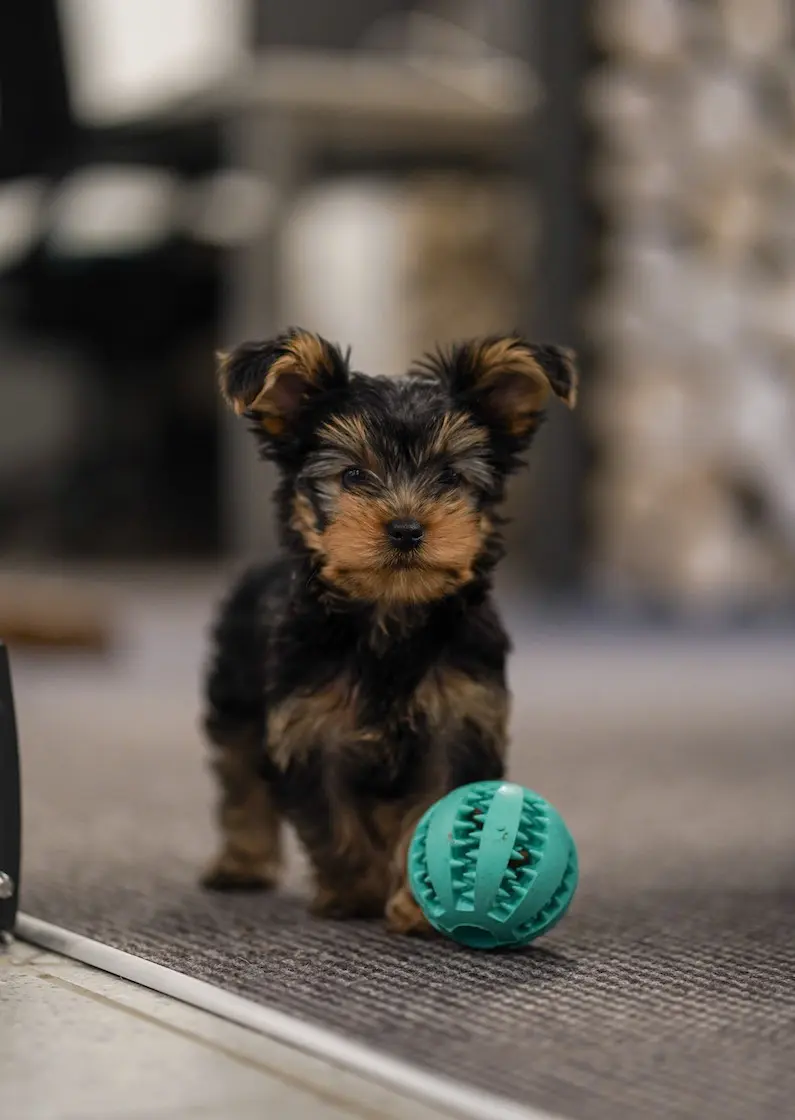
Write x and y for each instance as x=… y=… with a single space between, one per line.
x=391 y=484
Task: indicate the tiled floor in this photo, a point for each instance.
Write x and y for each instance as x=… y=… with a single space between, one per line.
x=76 y=1044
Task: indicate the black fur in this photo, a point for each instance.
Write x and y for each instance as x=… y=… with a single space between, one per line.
x=287 y=631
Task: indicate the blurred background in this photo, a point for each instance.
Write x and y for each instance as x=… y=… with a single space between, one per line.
x=616 y=175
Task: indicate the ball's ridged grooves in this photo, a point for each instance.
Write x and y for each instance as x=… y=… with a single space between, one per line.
x=502 y=873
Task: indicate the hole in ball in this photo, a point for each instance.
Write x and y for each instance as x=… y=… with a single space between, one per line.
x=475 y=937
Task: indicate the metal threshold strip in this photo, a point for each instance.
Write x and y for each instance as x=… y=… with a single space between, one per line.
x=317 y=1042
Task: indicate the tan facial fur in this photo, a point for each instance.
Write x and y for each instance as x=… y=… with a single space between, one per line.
x=357 y=557
x=352 y=549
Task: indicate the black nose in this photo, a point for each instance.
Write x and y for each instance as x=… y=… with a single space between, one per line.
x=405 y=534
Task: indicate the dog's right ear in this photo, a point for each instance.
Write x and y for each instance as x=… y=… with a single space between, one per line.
x=274 y=383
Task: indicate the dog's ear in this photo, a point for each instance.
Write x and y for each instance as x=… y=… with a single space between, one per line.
x=273 y=383
x=507 y=382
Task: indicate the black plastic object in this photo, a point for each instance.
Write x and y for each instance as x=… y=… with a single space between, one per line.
x=10 y=801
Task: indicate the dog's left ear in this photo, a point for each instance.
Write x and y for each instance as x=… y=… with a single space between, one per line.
x=507 y=381
x=274 y=382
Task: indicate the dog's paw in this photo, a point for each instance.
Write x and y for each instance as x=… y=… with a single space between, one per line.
x=339 y=905
x=230 y=872
x=403 y=915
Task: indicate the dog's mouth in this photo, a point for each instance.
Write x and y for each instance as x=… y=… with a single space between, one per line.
x=413 y=571
x=400 y=566
x=407 y=561
x=405 y=581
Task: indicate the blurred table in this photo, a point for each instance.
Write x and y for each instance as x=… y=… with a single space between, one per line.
x=294 y=116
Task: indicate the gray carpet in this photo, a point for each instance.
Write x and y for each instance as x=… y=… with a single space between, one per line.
x=669 y=990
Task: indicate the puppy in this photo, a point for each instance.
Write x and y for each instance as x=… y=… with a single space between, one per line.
x=362 y=676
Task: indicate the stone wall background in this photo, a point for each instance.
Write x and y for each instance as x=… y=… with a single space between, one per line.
x=693 y=324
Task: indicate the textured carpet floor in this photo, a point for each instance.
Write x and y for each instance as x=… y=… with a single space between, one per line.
x=669 y=991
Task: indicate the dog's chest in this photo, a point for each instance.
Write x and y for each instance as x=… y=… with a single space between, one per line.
x=336 y=718
x=348 y=718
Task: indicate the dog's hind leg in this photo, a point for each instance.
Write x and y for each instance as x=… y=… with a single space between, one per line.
x=250 y=851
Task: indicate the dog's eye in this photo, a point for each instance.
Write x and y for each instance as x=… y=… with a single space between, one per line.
x=352 y=477
x=449 y=477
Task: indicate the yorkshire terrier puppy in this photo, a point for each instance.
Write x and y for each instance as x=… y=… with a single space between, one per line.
x=362 y=676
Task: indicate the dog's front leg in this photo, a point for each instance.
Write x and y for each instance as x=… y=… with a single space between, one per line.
x=402 y=913
x=467 y=753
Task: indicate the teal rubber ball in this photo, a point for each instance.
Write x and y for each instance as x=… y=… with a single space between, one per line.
x=492 y=865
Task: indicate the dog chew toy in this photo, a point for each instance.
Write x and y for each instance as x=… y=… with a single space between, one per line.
x=492 y=865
